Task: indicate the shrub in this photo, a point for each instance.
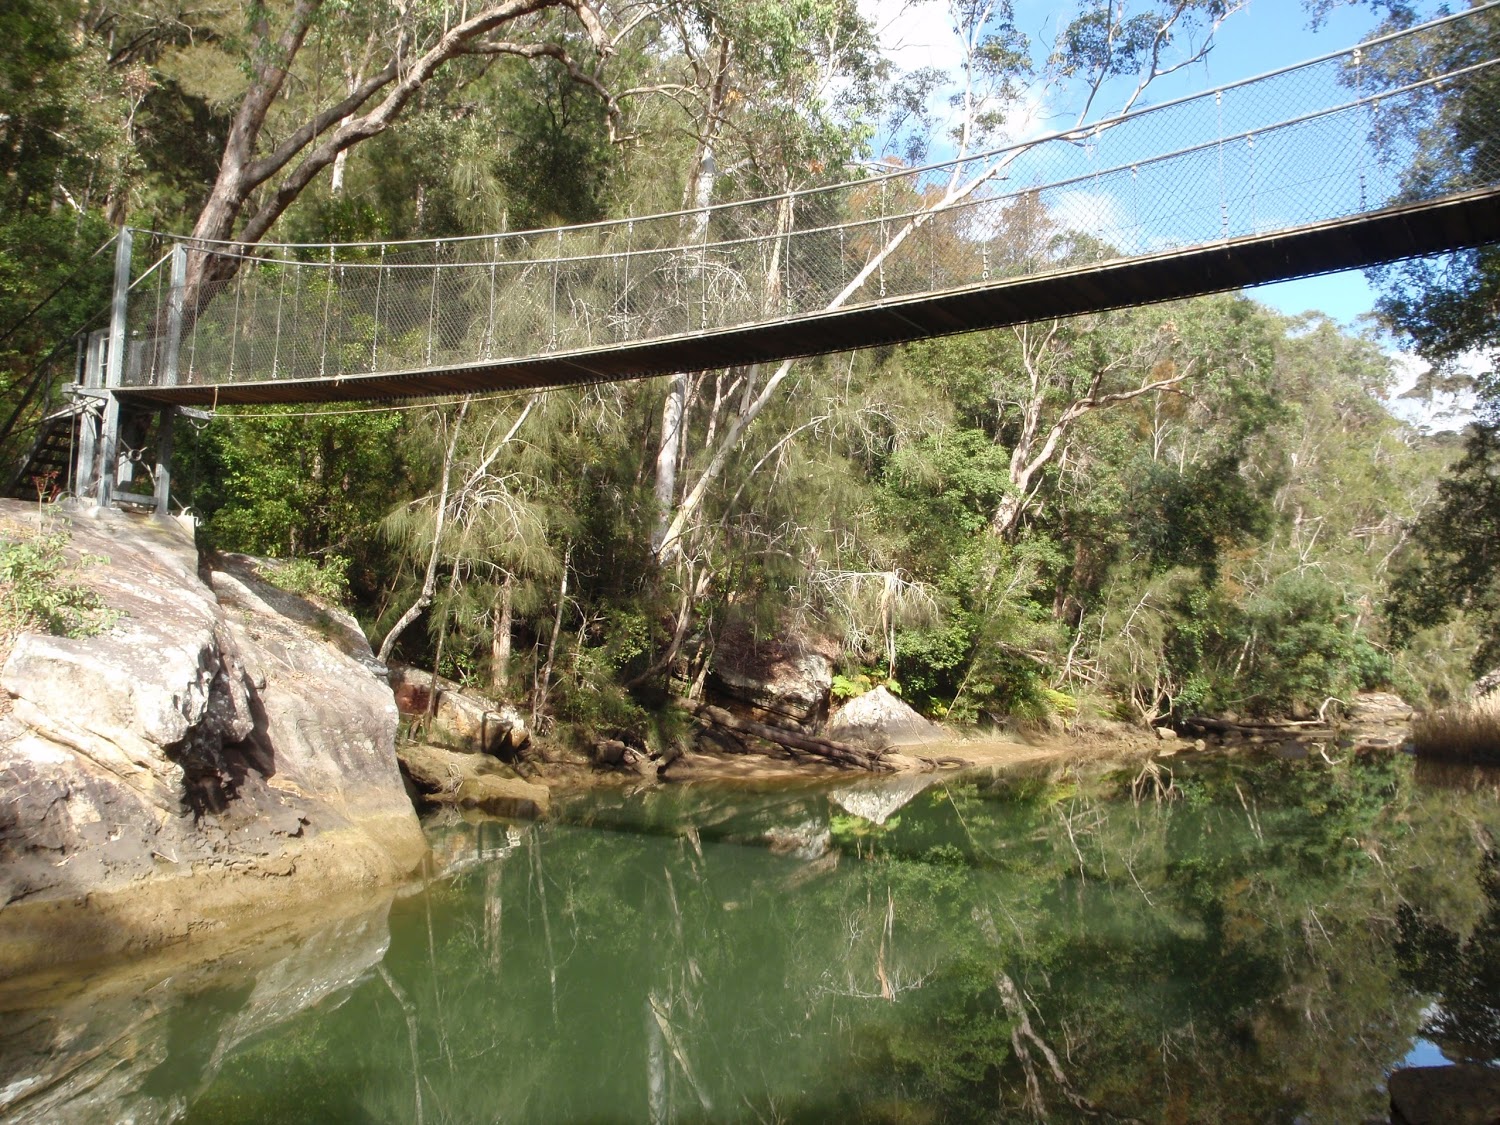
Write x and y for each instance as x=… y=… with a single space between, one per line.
x=35 y=593
x=328 y=580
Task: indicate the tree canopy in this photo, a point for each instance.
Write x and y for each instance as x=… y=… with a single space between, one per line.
x=1150 y=512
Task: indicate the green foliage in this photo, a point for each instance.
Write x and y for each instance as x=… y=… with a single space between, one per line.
x=1453 y=562
x=326 y=578
x=1302 y=648
x=1446 y=305
x=1219 y=541
x=846 y=687
x=287 y=484
x=36 y=590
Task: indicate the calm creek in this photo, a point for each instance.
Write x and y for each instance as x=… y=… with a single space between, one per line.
x=1238 y=939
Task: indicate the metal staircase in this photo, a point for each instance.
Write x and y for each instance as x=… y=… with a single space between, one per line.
x=47 y=467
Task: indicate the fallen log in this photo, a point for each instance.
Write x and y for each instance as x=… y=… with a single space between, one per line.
x=1302 y=727
x=795 y=741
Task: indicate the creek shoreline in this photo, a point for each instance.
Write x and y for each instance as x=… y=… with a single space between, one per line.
x=225 y=754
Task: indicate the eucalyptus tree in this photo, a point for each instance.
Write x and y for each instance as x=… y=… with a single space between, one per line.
x=1001 y=76
x=1101 y=46
x=284 y=125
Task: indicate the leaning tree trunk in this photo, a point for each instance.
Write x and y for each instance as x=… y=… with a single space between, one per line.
x=429 y=580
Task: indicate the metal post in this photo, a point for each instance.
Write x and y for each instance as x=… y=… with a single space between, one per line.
x=168 y=414
x=175 y=294
x=164 y=460
x=115 y=374
x=86 y=472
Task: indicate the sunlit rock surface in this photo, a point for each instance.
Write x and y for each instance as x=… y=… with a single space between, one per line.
x=214 y=753
x=471 y=781
x=461 y=720
x=1377 y=720
x=785 y=677
x=880 y=720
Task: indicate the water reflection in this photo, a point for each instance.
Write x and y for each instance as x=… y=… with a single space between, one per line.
x=1263 y=946
x=137 y=1043
x=1463 y=972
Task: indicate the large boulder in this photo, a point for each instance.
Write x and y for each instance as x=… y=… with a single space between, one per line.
x=210 y=755
x=461 y=720
x=782 y=678
x=881 y=720
x=1376 y=720
x=1463 y=1094
x=469 y=781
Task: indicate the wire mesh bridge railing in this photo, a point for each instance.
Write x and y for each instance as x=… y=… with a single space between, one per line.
x=1345 y=135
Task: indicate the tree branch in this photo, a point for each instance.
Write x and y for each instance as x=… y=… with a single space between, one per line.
x=262 y=170
x=356 y=129
x=570 y=64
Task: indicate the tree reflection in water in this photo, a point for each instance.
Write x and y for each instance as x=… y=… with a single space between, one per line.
x=1463 y=973
x=1045 y=945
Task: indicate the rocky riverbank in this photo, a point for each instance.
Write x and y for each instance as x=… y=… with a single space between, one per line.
x=223 y=750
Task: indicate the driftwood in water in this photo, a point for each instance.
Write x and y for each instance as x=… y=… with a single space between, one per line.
x=716 y=719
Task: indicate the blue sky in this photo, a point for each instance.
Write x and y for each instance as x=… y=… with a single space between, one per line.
x=1265 y=35
x=1270 y=34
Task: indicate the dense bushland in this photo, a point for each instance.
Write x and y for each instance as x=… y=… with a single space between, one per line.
x=1185 y=508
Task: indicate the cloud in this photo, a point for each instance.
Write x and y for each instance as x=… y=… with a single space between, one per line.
x=1089 y=212
x=915 y=33
x=919 y=35
x=1444 y=410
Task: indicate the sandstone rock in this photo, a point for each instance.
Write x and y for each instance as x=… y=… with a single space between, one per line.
x=1165 y=734
x=325 y=722
x=1376 y=720
x=504 y=796
x=1487 y=684
x=463 y=720
x=609 y=752
x=880 y=720
x=469 y=781
x=1464 y=1094
x=785 y=678
x=201 y=741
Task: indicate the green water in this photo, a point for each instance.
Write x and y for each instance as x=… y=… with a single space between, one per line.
x=1262 y=943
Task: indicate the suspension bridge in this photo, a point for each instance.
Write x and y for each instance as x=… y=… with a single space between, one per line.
x=1318 y=167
